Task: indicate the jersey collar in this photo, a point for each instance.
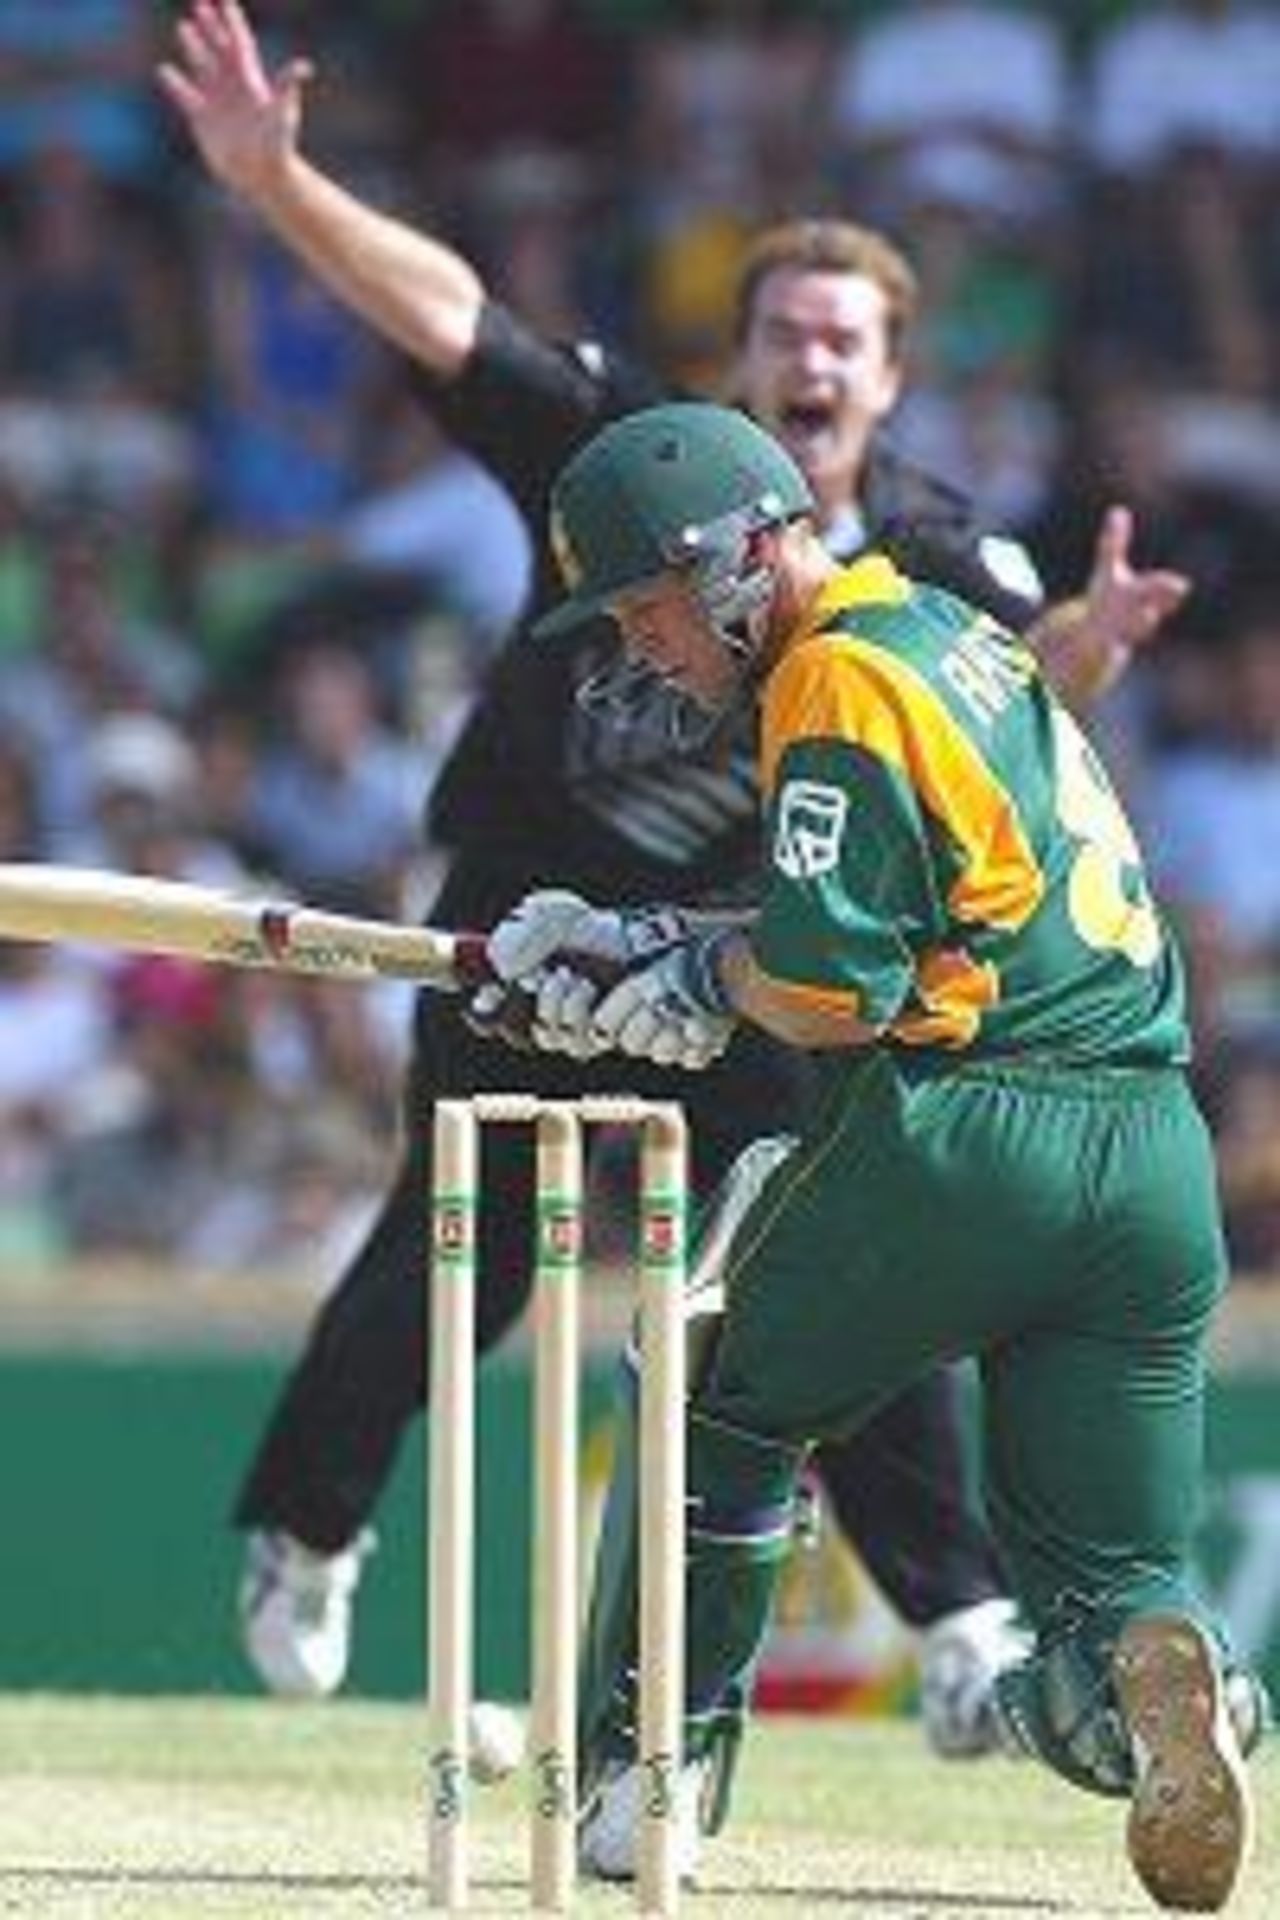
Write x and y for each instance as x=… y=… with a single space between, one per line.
x=872 y=581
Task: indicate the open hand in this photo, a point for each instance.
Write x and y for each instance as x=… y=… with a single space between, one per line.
x=244 y=121
x=1125 y=603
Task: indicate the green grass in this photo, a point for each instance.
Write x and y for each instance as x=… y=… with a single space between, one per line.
x=178 y=1808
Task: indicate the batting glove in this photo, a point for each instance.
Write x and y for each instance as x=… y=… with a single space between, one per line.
x=675 y=1012
x=555 y=957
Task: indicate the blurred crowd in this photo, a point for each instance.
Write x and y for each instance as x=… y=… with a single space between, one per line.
x=245 y=592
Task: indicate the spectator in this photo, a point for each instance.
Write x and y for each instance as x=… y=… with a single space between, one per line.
x=88 y=350
x=233 y=1114
x=966 y=99
x=1176 y=286
x=156 y=1134
x=338 y=798
x=523 y=106
x=1129 y=440
x=21 y=830
x=1188 y=73
x=536 y=218
x=1245 y=1094
x=980 y=407
x=1215 y=826
x=434 y=515
x=308 y=1186
x=724 y=104
x=293 y=377
x=91 y=655
x=1183 y=134
x=54 y=1033
x=226 y=740
x=146 y=807
x=727 y=136
x=55 y=1036
x=21 y=575
x=76 y=71
x=489 y=78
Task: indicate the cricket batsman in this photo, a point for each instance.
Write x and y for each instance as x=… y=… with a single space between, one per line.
x=1008 y=1163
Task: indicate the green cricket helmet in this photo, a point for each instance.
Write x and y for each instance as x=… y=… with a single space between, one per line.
x=684 y=487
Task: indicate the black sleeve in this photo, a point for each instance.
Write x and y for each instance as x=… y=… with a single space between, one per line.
x=522 y=403
x=502 y=787
x=931 y=530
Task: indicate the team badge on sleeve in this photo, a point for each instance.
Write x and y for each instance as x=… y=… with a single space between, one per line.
x=811 y=819
x=1011 y=567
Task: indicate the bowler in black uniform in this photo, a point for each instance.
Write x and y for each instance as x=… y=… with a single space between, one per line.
x=542 y=788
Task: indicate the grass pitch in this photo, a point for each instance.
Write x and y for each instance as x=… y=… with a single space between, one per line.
x=183 y=1808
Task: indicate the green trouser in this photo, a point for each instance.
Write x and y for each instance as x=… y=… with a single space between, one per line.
x=1060 y=1224
x=607 y=1669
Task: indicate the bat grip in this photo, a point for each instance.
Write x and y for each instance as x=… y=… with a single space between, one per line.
x=472 y=967
x=511 y=1019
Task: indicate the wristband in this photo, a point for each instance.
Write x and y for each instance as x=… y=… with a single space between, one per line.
x=651 y=931
x=705 y=981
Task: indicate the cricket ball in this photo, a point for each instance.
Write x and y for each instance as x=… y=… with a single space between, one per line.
x=495 y=1742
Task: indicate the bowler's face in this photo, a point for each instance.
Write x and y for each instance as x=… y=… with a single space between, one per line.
x=663 y=625
x=816 y=369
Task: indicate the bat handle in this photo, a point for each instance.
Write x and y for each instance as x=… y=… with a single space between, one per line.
x=511 y=1018
x=471 y=965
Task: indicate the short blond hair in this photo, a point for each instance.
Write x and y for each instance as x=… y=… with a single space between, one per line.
x=830 y=246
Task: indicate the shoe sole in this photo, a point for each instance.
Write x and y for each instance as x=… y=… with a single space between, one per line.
x=1190 y=1823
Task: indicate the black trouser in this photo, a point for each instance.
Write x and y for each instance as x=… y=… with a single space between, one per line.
x=332 y=1441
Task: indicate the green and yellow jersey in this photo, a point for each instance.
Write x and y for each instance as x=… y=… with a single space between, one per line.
x=947 y=859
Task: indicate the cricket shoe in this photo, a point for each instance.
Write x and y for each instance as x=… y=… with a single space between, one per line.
x=609 y=1830
x=961 y=1658
x=295 y=1612
x=1191 y=1817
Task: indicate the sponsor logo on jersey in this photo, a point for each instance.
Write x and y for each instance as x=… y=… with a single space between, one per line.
x=811 y=819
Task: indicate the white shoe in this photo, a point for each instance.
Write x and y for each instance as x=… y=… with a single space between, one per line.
x=1191 y=1818
x=608 y=1838
x=295 y=1612
x=961 y=1658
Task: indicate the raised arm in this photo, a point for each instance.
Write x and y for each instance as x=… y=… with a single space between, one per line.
x=246 y=124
